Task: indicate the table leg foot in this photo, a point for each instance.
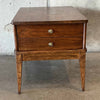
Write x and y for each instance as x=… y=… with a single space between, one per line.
x=82 y=70
x=19 y=71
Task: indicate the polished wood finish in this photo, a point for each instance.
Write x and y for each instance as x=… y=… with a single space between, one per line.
x=82 y=69
x=19 y=70
x=49 y=34
x=15 y=37
x=48 y=15
x=62 y=30
x=54 y=55
x=42 y=44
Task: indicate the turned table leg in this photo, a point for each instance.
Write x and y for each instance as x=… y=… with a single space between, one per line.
x=19 y=71
x=82 y=69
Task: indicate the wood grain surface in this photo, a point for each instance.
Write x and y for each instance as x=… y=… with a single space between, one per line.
x=48 y=15
x=82 y=69
x=42 y=44
x=19 y=71
x=66 y=30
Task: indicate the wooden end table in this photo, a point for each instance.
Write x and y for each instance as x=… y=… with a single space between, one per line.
x=49 y=33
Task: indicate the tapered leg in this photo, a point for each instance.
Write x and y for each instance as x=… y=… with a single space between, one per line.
x=19 y=71
x=82 y=70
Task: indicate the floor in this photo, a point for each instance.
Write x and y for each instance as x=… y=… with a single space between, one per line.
x=50 y=80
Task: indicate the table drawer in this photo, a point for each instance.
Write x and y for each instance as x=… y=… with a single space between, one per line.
x=49 y=43
x=64 y=30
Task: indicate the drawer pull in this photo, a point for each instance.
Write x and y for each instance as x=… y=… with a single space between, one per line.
x=50 y=31
x=50 y=44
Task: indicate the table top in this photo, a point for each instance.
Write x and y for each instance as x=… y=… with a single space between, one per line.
x=48 y=15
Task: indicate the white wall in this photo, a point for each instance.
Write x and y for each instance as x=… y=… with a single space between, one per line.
x=8 y=9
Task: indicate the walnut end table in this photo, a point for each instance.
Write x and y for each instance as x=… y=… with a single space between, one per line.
x=49 y=33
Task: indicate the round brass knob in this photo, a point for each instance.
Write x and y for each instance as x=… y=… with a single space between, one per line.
x=50 y=31
x=50 y=44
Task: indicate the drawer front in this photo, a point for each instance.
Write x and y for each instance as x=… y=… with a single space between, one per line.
x=68 y=30
x=49 y=43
